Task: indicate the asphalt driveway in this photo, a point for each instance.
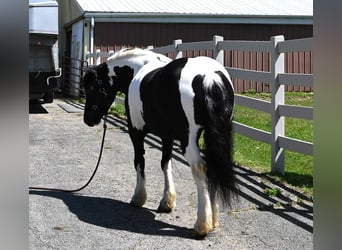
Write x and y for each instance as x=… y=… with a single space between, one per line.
x=63 y=152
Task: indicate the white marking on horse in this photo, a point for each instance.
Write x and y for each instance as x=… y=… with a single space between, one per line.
x=134 y=99
x=168 y=201
x=140 y=196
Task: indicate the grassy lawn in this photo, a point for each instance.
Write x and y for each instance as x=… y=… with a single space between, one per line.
x=256 y=155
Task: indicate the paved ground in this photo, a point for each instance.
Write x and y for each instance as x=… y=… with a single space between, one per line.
x=63 y=153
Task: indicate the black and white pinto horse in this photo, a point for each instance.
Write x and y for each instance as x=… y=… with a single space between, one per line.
x=175 y=100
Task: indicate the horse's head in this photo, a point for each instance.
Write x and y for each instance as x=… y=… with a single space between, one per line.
x=101 y=89
x=102 y=82
x=99 y=94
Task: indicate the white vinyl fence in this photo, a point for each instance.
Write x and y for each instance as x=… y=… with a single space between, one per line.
x=276 y=77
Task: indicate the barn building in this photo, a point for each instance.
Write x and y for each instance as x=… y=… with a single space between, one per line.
x=88 y=25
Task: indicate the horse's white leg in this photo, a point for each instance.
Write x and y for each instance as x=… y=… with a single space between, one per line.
x=139 y=198
x=204 y=223
x=168 y=201
x=215 y=209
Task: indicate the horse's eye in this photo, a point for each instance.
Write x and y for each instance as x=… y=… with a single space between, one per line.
x=99 y=82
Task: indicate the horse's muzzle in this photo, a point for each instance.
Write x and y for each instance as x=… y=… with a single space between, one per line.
x=91 y=122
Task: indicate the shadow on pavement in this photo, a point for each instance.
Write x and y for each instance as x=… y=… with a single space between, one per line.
x=299 y=212
x=114 y=214
x=35 y=107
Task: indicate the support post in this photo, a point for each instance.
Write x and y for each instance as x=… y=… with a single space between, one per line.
x=92 y=27
x=88 y=58
x=177 y=54
x=98 y=57
x=218 y=54
x=277 y=98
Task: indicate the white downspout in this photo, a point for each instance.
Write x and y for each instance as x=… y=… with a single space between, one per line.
x=92 y=25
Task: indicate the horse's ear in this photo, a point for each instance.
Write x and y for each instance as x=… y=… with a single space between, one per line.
x=122 y=78
x=123 y=72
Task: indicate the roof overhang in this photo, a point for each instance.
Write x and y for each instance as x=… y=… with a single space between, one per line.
x=195 y=18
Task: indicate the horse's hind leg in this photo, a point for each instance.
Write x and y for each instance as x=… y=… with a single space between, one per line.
x=140 y=196
x=168 y=201
x=204 y=223
x=215 y=209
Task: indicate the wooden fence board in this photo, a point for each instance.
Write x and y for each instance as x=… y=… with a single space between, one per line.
x=295 y=79
x=256 y=134
x=299 y=112
x=253 y=103
x=296 y=145
x=250 y=74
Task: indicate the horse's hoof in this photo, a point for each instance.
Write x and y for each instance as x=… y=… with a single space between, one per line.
x=198 y=236
x=132 y=204
x=136 y=204
x=138 y=201
x=163 y=209
x=215 y=225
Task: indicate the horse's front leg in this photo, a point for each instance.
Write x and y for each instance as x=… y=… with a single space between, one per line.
x=140 y=196
x=168 y=201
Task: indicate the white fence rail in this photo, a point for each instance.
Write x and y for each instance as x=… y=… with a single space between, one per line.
x=276 y=77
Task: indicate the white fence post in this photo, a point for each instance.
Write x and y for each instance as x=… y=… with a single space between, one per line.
x=177 y=54
x=98 y=57
x=88 y=58
x=218 y=55
x=277 y=98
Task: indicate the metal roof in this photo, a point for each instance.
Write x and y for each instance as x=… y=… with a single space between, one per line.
x=242 y=9
x=212 y=7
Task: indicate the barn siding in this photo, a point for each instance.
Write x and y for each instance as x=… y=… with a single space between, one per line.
x=160 y=34
x=113 y=36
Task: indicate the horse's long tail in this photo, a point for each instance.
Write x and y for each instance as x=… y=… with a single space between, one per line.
x=218 y=136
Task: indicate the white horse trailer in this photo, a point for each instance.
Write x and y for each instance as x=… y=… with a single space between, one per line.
x=44 y=70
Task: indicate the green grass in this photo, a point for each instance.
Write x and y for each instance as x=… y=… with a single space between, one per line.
x=118 y=110
x=272 y=192
x=256 y=155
